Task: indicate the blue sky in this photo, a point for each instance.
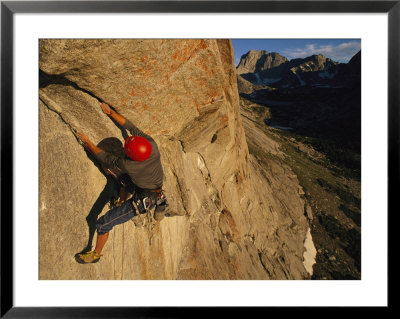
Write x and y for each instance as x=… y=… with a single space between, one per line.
x=340 y=50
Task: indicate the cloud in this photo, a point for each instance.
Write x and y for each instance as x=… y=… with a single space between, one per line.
x=342 y=52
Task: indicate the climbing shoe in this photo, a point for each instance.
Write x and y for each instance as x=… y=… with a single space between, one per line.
x=89 y=257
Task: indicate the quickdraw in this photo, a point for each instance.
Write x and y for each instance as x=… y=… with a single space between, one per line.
x=146 y=204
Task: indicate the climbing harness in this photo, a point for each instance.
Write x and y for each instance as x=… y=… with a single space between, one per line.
x=147 y=202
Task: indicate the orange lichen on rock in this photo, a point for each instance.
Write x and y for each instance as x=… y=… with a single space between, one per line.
x=224 y=119
x=184 y=51
x=201 y=64
x=175 y=55
x=200 y=82
x=213 y=94
x=124 y=101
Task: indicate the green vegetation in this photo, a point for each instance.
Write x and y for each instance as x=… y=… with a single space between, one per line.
x=350 y=240
x=348 y=159
x=342 y=193
x=344 y=161
x=348 y=200
x=354 y=215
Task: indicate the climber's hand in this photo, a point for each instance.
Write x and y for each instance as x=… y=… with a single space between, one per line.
x=105 y=108
x=113 y=114
x=84 y=138
x=88 y=144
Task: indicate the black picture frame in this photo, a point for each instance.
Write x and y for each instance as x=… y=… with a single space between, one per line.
x=9 y=8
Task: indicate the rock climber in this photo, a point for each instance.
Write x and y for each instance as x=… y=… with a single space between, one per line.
x=142 y=164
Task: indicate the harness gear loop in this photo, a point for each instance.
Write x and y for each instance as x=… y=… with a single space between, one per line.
x=138 y=214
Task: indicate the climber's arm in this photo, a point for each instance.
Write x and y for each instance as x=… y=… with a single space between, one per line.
x=125 y=123
x=88 y=143
x=104 y=157
x=116 y=116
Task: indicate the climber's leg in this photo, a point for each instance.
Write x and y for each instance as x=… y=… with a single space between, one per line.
x=115 y=216
x=101 y=240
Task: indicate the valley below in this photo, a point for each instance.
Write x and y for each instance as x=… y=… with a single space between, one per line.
x=331 y=190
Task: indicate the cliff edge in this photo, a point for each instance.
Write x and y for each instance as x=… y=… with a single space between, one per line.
x=234 y=218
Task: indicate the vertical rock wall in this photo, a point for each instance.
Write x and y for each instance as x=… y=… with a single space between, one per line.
x=234 y=220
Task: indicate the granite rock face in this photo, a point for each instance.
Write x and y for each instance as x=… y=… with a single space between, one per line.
x=233 y=219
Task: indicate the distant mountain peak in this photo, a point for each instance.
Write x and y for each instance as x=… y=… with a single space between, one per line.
x=259 y=60
x=256 y=52
x=262 y=68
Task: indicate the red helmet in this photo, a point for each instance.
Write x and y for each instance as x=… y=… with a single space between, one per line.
x=137 y=148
